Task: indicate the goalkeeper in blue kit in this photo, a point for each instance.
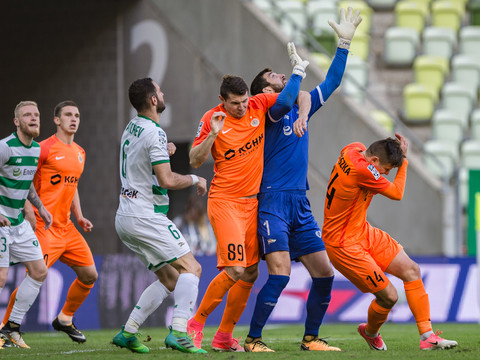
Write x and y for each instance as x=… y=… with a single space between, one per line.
x=287 y=229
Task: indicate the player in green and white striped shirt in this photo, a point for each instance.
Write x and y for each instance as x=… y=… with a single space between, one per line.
x=18 y=244
x=143 y=226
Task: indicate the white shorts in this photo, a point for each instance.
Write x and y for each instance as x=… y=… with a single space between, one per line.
x=18 y=244
x=156 y=241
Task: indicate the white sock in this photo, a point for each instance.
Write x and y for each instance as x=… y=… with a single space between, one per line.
x=26 y=295
x=426 y=335
x=185 y=296
x=152 y=297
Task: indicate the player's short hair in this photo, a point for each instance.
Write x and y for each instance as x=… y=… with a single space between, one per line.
x=57 y=111
x=259 y=82
x=388 y=152
x=21 y=104
x=139 y=93
x=233 y=84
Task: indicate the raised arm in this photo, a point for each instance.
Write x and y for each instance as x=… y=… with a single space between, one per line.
x=199 y=153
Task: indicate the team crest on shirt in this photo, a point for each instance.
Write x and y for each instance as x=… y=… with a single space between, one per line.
x=199 y=129
x=255 y=122
x=162 y=138
x=374 y=171
x=80 y=158
x=287 y=130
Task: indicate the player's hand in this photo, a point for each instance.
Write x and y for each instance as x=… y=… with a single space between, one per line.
x=300 y=126
x=346 y=29
x=217 y=121
x=298 y=64
x=46 y=217
x=4 y=221
x=403 y=143
x=171 y=148
x=86 y=224
x=201 y=186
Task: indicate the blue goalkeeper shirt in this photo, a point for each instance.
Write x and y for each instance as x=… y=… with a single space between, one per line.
x=286 y=155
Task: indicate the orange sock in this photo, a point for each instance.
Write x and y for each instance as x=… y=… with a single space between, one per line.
x=76 y=295
x=213 y=296
x=419 y=304
x=377 y=315
x=10 y=306
x=236 y=301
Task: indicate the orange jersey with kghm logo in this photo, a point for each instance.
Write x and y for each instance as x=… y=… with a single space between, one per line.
x=238 y=149
x=350 y=189
x=59 y=169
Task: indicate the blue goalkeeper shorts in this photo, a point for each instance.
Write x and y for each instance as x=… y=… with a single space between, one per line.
x=286 y=223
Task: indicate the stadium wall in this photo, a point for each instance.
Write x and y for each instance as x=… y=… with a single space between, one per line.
x=90 y=51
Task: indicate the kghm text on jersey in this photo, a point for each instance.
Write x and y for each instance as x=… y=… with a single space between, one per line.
x=245 y=149
x=129 y=193
x=343 y=165
x=134 y=129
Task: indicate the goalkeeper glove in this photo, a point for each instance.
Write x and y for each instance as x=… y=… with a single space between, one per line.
x=346 y=29
x=298 y=64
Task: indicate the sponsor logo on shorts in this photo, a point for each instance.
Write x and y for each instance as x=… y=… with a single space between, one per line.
x=318 y=233
x=287 y=130
x=271 y=241
x=374 y=171
x=181 y=243
x=35 y=243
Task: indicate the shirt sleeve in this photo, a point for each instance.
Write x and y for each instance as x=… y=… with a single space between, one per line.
x=204 y=128
x=286 y=99
x=4 y=153
x=157 y=149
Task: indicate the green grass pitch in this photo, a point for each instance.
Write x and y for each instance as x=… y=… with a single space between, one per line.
x=401 y=339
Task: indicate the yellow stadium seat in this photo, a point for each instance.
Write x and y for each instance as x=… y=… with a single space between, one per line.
x=446 y=14
x=418 y=103
x=430 y=71
x=411 y=14
x=384 y=119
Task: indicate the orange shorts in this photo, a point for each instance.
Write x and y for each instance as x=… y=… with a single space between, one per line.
x=234 y=222
x=364 y=262
x=65 y=243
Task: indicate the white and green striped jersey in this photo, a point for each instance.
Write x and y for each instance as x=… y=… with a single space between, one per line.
x=18 y=165
x=143 y=145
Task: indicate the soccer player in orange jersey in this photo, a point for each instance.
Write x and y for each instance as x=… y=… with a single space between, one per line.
x=60 y=166
x=233 y=132
x=363 y=253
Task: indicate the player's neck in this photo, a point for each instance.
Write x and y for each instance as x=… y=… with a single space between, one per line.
x=65 y=137
x=24 y=138
x=152 y=115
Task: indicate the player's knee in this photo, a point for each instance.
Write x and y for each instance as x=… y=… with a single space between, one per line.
x=39 y=274
x=235 y=272
x=3 y=277
x=196 y=269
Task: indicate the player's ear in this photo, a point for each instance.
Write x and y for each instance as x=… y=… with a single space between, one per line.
x=56 y=120
x=16 y=122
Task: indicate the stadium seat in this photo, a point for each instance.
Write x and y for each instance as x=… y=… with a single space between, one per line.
x=447 y=125
x=360 y=45
x=401 y=46
x=446 y=14
x=356 y=73
x=469 y=41
x=439 y=41
x=320 y=12
x=384 y=119
x=474 y=10
x=430 y=70
x=321 y=59
x=382 y=5
x=469 y=160
x=365 y=11
x=475 y=124
x=418 y=103
x=466 y=70
x=460 y=99
x=293 y=19
x=441 y=158
x=411 y=14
